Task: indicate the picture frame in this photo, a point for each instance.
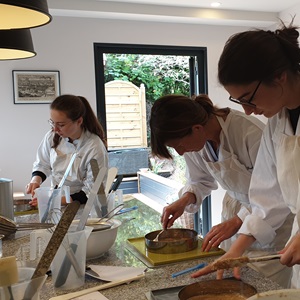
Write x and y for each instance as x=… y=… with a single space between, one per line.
x=35 y=87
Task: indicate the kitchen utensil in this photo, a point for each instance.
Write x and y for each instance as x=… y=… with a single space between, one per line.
x=65 y=277
x=50 y=199
x=127 y=209
x=101 y=196
x=290 y=294
x=117 y=183
x=61 y=183
x=53 y=245
x=228 y=263
x=111 y=175
x=199 y=266
x=66 y=265
x=8 y=275
x=109 y=215
x=22 y=205
x=100 y=242
x=70 y=254
x=18 y=289
x=217 y=289
x=56 y=239
x=175 y=240
x=6 y=198
x=8 y=226
x=91 y=198
x=97 y=288
x=158 y=235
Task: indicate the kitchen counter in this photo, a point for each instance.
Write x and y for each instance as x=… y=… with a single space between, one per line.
x=135 y=224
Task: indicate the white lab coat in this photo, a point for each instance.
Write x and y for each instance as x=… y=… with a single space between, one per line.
x=55 y=161
x=239 y=142
x=273 y=198
x=241 y=135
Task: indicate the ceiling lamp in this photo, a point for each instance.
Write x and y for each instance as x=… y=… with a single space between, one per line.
x=16 y=44
x=23 y=14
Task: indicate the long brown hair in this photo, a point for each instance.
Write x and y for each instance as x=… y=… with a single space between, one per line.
x=75 y=107
x=173 y=116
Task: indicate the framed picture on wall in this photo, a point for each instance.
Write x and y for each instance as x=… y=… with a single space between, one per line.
x=35 y=86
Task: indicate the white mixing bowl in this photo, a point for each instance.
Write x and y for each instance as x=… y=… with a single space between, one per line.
x=101 y=241
x=290 y=294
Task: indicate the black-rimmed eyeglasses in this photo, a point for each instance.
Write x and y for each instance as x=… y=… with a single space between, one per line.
x=247 y=103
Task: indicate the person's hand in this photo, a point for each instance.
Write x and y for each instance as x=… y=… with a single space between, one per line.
x=31 y=186
x=221 y=232
x=219 y=273
x=33 y=202
x=176 y=209
x=34 y=183
x=171 y=213
x=291 y=252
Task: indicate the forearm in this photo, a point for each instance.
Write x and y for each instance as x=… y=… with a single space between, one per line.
x=188 y=198
x=242 y=243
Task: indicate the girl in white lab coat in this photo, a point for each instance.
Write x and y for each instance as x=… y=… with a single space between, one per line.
x=74 y=128
x=260 y=70
x=219 y=146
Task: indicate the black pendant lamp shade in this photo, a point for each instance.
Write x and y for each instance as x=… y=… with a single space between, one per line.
x=23 y=14
x=16 y=44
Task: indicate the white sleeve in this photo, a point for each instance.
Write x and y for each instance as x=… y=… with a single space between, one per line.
x=42 y=162
x=94 y=149
x=199 y=180
x=269 y=210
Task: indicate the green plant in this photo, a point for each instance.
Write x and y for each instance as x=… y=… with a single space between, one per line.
x=161 y=74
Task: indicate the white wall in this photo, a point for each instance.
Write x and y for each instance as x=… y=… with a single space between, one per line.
x=66 y=44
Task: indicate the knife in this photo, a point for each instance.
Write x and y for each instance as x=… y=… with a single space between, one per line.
x=66 y=264
x=52 y=247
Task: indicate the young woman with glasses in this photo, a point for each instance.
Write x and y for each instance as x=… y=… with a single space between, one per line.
x=74 y=127
x=260 y=70
x=219 y=146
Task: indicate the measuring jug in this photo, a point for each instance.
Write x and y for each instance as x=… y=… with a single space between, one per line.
x=53 y=208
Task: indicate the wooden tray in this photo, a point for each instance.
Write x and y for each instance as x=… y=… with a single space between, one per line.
x=137 y=247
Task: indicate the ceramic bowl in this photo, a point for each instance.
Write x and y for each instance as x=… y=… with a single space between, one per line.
x=291 y=294
x=101 y=241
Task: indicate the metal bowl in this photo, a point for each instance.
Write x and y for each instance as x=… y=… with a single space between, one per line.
x=22 y=205
x=174 y=240
x=232 y=289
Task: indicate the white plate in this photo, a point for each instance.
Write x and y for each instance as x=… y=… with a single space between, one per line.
x=290 y=294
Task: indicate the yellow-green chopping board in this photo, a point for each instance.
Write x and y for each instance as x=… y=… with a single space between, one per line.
x=157 y=259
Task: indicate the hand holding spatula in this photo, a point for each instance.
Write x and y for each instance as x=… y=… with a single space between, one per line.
x=228 y=263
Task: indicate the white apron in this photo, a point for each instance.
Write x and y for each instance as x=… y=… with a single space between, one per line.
x=234 y=176
x=288 y=172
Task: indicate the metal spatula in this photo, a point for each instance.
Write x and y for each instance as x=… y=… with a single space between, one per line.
x=229 y=263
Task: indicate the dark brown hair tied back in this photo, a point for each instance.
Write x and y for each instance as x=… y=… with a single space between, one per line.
x=76 y=107
x=259 y=55
x=206 y=104
x=173 y=116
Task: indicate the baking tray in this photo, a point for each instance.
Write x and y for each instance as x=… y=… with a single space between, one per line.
x=138 y=248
